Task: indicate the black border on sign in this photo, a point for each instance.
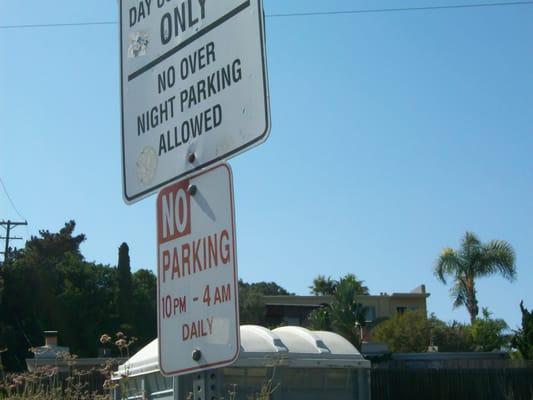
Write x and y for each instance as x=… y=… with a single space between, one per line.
x=255 y=141
x=234 y=357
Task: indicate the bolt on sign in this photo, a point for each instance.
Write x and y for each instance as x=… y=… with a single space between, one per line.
x=194 y=87
x=198 y=312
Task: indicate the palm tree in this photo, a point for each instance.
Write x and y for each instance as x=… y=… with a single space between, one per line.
x=471 y=261
x=344 y=315
x=323 y=286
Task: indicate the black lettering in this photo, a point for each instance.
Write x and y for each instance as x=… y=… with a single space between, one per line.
x=162 y=144
x=154 y=118
x=166 y=27
x=184 y=69
x=210 y=49
x=192 y=97
x=141 y=11
x=201 y=90
x=201 y=58
x=217 y=115
x=226 y=77
x=197 y=125
x=192 y=21
x=192 y=61
x=184 y=95
x=141 y=124
x=236 y=70
x=185 y=131
x=163 y=111
x=133 y=16
x=179 y=19
x=211 y=89
x=202 y=8
x=166 y=79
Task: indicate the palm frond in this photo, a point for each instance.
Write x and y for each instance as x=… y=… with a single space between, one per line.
x=499 y=256
x=459 y=293
x=471 y=251
x=448 y=263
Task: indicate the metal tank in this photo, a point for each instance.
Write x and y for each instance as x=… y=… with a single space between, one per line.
x=284 y=363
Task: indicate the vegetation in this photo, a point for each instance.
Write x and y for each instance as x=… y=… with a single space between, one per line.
x=251 y=306
x=323 y=286
x=471 y=261
x=450 y=337
x=413 y=332
x=65 y=379
x=523 y=338
x=406 y=332
x=488 y=333
x=344 y=315
x=124 y=292
x=50 y=286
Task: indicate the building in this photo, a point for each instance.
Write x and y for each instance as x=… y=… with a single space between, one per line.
x=51 y=354
x=294 y=310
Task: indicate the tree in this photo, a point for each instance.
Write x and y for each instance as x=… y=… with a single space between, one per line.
x=487 y=332
x=344 y=315
x=523 y=338
x=144 y=305
x=323 y=286
x=471 y=261
x=50 y=286
x=450 y=337
x=124 y=294
x=251 y=305
x=404 y=333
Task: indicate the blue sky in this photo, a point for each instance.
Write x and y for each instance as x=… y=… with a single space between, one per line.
x=392 y=135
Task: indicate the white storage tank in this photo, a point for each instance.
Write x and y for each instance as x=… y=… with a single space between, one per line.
x=285 y=363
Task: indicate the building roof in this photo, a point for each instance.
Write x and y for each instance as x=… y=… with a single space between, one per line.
x=286 y=346
x=316 y=301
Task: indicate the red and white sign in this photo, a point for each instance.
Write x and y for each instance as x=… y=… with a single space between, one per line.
x=197 y=288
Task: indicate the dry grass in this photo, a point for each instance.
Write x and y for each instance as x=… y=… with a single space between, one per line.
x=48 y=383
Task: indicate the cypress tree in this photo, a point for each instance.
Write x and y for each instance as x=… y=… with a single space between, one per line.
x=124 y=287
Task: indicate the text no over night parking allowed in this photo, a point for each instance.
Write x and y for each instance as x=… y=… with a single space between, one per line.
x=194 y=87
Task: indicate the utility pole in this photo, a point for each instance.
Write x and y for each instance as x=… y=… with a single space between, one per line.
x=8 y=225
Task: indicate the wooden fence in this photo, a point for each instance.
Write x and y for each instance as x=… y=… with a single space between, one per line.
x=452 y=384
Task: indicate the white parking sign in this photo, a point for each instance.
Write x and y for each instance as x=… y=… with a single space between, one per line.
x=194 y=87
x=198 y=309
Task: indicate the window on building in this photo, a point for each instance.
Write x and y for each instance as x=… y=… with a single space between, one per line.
x=292 y=321
x=370 y=314
x=401 y=310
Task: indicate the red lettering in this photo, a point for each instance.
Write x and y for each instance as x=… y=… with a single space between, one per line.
x=194 y=330
x=185 y=255
x=213 y=250
x=224 y=248
x=174 y=212
x=166 y=264
x=195 y=259
x=185 y=332
x=175 y=264
x=191 y=257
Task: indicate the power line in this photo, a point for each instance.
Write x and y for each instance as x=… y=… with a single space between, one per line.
x=382 y=10
x=11 y=200
x=58 y=25
x=300 y=14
